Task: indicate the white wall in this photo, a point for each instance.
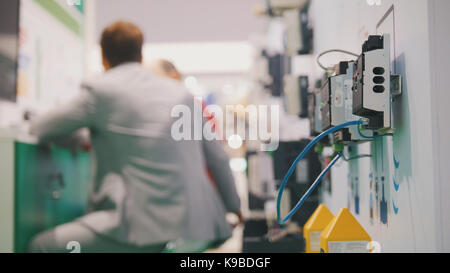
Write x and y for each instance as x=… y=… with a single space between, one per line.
x=421 y=37
x=440 y=98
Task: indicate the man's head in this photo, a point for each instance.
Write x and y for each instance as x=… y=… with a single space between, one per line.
x=121 y=42
x=165 y=68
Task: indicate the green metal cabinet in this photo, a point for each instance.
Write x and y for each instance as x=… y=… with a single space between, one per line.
x=51 y=188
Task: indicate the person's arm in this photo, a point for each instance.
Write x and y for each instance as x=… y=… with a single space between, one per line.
x=219 y=166
x=66 y=119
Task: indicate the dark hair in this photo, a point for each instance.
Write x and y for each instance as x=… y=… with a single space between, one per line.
x=121 y=42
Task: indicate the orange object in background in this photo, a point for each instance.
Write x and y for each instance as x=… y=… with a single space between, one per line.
x=314 y=227
x=344 y=235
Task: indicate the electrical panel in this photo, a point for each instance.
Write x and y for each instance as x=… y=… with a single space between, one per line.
x=379 y=181
x=361 y=90
x=296 y=95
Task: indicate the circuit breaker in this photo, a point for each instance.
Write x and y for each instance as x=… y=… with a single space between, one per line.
x=337 y=104
x=371 y=83
x=361 y=90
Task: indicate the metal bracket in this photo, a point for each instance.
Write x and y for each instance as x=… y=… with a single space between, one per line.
x=396 y=85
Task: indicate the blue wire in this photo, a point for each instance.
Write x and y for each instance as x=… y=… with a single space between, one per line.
x=311 y=189
x=354 y=157
x=363 y=136
x=300 y=157
x=368 y=137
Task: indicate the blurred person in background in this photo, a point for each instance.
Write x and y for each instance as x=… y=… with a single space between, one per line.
x=165 y=68
x=150 y=192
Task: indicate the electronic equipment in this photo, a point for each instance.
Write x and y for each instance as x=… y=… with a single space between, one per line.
x=296 y=95
x=325 y=105
x=361 y=90
x=311 y=108
x=278 y=7
x=337 y=106
x=372 y=83
x=9 y=32
x=299 y=35
x=261 y=175
x=260 y=68
x=315 y=118
x=278 y=67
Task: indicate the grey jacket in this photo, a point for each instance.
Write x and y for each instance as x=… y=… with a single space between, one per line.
x=148 y=187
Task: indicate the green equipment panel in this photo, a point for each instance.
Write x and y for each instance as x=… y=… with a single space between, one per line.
x=51 y=188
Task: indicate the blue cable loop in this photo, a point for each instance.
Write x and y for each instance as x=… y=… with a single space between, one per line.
x=310 y=190
x=318 y=179
x=371 y=137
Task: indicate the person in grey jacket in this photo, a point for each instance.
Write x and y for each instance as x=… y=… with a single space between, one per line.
x=149 y=189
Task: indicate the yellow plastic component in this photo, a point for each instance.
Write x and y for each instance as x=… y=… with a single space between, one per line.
x=344 y=234
x=314 y=227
